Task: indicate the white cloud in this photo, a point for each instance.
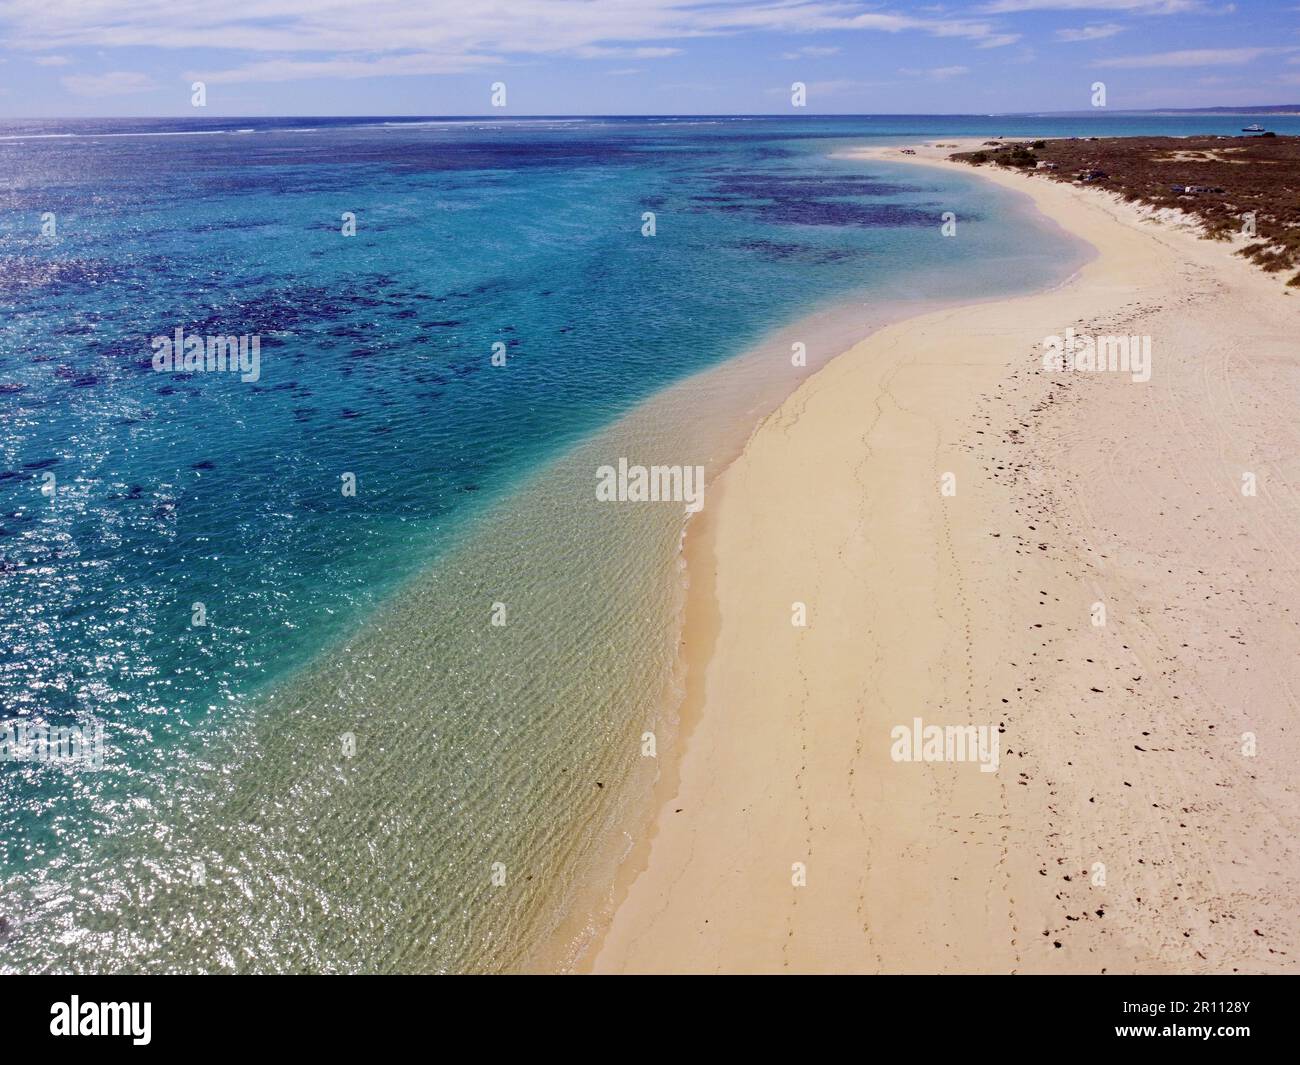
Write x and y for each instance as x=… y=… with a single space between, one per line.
x=836 y=87
x=605 y=52
x=286 y=39
x=1139 y=7
x=116 y=83
x=1194 y=57
x=299 y=69
x=1090 y=33
x=811 y=51
x=51 y=61
x=937 y=73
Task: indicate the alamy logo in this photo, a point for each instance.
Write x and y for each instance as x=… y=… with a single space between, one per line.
x=208 y=354
x=945 y=743
x=1130 y=355
x=102 y=1018
x=651 y=484
x=76 y=745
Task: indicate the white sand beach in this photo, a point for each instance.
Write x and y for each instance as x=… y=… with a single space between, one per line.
x=1143 y=815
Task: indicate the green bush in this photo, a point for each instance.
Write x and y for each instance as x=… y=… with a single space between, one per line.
x=1019 y=156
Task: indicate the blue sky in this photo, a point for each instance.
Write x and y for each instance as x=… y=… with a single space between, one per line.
x=435 y=57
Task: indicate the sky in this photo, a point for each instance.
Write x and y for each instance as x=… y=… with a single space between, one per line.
x=75 y=58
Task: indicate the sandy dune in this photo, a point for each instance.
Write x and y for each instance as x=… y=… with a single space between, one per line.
x=1125 y=829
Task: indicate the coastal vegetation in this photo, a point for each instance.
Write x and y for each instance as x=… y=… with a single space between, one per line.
x=1234 y=186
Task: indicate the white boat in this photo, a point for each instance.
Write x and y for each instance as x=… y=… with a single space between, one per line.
x=1254 y=127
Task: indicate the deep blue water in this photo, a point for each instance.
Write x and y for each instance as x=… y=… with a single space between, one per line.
x=176 y=488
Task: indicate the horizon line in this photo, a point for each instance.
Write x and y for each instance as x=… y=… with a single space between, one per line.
x=1091 y=112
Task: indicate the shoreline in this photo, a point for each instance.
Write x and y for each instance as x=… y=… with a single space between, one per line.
x=691 y=866
x=700 y=621
x=849 y=320
x=585 y=918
